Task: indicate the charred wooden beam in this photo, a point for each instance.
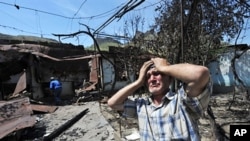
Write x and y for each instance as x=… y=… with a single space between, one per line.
x=65 y=126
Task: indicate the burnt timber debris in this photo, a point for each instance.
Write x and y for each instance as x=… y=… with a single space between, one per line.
x=66 y=125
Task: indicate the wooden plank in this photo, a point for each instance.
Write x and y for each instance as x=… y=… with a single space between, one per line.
x=43 y=108
x=15 y=108
x=16 y=124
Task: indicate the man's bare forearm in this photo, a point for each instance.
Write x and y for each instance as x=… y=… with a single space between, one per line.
x=186 y=72
x=117 y=99
x=195 y=76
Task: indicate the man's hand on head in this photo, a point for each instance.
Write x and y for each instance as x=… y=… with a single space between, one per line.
x=143 y=71
x=159 y=63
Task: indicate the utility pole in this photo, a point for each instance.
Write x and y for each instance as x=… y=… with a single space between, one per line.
x=182 y=40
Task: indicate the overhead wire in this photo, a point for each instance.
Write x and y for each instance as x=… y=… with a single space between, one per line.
x=126 y=9
x=39 y=24
x=20 y=30
x=150 y=5
x=58 y=15
x=78 y=11
x=41 y=11
x=80 y=8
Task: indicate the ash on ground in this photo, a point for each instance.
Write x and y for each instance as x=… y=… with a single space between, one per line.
x=102 y=123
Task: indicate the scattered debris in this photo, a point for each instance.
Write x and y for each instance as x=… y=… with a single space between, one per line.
x=15 y=115
x=58 y=131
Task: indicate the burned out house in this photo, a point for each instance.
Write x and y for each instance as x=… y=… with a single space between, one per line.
x=40 y=62
x=26 y=67
x=80 y=71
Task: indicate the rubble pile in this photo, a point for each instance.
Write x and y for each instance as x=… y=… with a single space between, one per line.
x=103 y=123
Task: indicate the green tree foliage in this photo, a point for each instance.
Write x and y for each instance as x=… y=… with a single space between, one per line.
x=192 y=30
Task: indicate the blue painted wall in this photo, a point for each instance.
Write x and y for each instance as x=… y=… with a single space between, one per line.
x=222 y=73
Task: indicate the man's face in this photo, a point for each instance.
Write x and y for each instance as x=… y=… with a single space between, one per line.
x=157 y=83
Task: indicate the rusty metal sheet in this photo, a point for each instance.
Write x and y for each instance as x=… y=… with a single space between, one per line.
x=35 y=50
x=15 y=115
x=94 y=69
x=43 y=108
x=67 y=59
x=14 y=108
x=21 y=84
x=10 y=126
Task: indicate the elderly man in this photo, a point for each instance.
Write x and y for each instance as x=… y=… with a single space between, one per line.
x=165 y=114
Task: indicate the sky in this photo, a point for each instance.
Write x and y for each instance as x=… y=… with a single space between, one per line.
x=43 y=18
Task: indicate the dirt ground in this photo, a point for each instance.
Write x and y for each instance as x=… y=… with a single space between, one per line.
x=101 y=123
x=225 y=110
